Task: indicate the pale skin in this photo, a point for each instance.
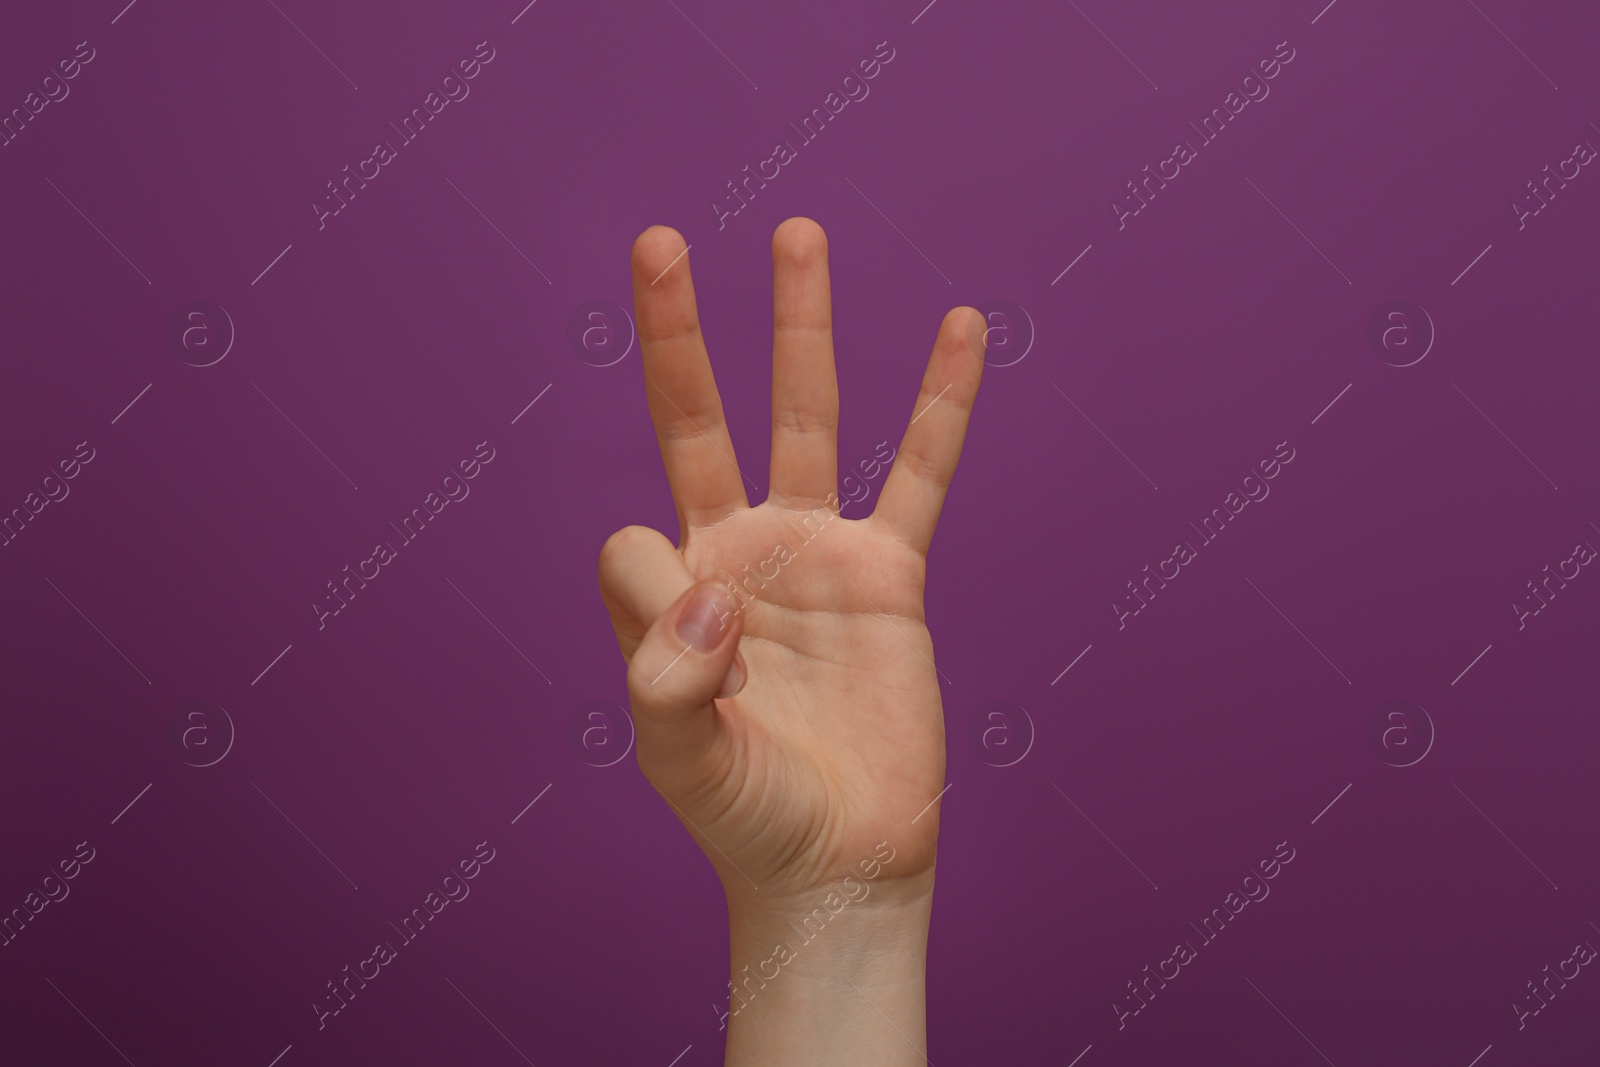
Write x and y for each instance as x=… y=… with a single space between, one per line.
x=801 y=726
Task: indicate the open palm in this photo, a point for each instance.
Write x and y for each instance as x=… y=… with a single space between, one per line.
x=781 y=675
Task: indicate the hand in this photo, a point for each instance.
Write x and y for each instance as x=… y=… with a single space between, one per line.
x=781 y=676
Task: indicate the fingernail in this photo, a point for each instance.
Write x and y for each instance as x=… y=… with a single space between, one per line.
x=736 y=677
x=702 y=624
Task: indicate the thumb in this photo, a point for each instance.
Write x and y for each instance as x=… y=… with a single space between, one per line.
x=688 y=657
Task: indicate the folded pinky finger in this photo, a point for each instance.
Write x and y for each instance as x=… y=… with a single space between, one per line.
x=914 y=492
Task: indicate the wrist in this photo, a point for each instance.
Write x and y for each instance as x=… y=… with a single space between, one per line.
x=835 y=972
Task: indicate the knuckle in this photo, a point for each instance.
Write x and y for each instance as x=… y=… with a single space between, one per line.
x=926 y=468
x=806 y=421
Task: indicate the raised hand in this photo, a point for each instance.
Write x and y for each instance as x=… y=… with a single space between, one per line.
x=781 y=675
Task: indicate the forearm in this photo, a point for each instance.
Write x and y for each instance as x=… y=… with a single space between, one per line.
x=810 y=987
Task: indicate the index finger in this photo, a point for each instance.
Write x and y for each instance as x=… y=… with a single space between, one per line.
x=914 y=492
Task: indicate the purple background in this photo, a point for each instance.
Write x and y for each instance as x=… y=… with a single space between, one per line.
x=1196 y=338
